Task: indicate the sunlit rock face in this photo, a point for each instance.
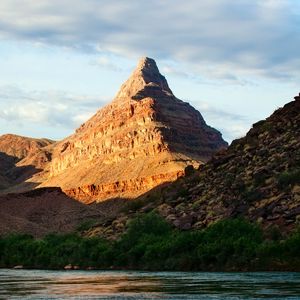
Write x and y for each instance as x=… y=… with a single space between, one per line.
x=144 y=137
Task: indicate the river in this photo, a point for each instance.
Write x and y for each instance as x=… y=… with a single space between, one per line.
x=39 y=284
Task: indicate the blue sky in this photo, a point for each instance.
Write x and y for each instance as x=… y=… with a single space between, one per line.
x=60 y=61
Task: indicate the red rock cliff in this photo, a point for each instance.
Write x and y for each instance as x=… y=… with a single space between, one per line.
x=144 y=137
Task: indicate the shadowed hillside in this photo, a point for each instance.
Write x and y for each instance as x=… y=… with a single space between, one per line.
x=257 y=177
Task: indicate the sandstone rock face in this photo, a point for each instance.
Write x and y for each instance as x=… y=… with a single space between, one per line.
x=127 y=188
x=144 y=137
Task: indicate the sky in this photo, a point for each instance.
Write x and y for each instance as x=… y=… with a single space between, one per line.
x=62 y=60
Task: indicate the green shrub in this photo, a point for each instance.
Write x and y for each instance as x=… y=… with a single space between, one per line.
x=151 y=243
x=289 y=177
x=85 y=225
x=251 y=194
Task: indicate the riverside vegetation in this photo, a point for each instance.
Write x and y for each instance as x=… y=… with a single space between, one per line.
x=150 y=243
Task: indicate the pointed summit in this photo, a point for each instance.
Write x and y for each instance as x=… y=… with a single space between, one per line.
x=145 y=81
x=147 y=64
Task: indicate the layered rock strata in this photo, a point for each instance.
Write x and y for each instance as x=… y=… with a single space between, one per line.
x=144 y=137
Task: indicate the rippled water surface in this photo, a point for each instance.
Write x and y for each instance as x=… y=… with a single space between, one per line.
x=37 y=284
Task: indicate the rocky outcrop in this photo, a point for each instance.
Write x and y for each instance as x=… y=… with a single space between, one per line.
x=257 y=177
x=20 y=147
x=120 y=189
x=144 y=137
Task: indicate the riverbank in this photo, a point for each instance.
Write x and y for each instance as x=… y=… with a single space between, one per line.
x=152 y=244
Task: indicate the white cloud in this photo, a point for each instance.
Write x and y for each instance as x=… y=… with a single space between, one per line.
x=236 y=131
x=216 y=113
x=232 y=125
x=108 y=62
x=247 y=36
x=211 y=43
x=175 y=71
x=81 y=117
x=46 y=108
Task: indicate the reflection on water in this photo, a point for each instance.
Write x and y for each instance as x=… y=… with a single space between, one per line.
x=37 y=284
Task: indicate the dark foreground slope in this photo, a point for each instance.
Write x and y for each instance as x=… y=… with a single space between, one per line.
x=257 y=177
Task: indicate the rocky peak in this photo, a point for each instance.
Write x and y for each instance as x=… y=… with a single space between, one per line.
x=147 y=64
x=143 y=138
x=145 y=81
x=148 y=69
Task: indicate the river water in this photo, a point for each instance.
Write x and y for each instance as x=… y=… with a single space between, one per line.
x=38 y=284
